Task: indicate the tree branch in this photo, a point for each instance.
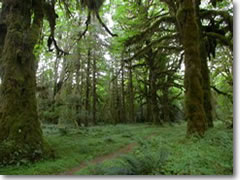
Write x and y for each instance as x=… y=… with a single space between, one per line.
x=146 y=49
x=104 y=26
x=221 y=38
x=88 y=21
x=222 y=93
x=150 y=30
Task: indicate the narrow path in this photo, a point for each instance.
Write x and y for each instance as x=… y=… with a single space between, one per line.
x=124 y=150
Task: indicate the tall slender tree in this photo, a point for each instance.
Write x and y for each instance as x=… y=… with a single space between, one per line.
x=87 y=105
x=94 y=87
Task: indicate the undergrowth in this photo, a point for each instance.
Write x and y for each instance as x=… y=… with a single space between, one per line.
x=168 y=152
x=75 y=146
x=172 y=153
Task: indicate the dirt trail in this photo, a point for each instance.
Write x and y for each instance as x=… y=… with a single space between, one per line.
x=124 y=150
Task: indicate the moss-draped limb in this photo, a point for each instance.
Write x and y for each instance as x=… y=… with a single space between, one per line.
x=150 y=30
x=156 y=43
x=209 y=14
x=222 y=39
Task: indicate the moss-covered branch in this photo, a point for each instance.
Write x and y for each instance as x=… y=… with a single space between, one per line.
x=222 y=39
x=209 y=14
x=150 y=30
x=157 y=44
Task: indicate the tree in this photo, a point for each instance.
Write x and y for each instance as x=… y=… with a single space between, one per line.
x=131 y=117
x=193 y=80
x=87 y=105
x=19 y=125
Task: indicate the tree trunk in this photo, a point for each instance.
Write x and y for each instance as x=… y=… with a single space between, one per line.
x=153 y=106
x=131 y=94
x=87 y=109
x=190 y=37
x=166 y=110
x=206 y=86
x=153 y=94
x=148 y=101
x=205 y=72
x=56 y=65
x=117 y=101
x=19 y=125
x=94 y=91
x=123 y=111
x=77 y=88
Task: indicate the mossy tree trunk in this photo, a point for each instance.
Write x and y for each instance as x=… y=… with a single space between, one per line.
x=19 y=125
x=206 y=85
x=87 y=105
x=148 y=116
x=94 y=84
x=153 y=93
x=194 y=95
x=123 y=102
x=115 y=106
x=131 y=94
x=165 y=103
x=205 y=71
x=153 y=102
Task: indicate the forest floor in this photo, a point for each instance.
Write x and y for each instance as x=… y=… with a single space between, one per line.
x=124 y=150
x=133 y=149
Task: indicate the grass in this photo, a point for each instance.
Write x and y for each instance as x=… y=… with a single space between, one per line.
x=168 y=152
x=211 y=155
x=78 y=146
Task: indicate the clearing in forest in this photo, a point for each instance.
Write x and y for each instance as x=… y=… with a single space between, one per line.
x=125 y=150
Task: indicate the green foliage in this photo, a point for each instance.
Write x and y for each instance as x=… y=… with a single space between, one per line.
x=78 y=146
x=15 y=154
x=210 y=155
x=63 y=131
x=49 y=116
x=171 y=153
x=144 y=161
x=167 y=153
x=139 y=24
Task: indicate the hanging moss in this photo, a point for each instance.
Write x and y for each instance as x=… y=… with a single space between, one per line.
x=92 y=5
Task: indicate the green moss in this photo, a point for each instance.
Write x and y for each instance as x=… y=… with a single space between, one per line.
x=20 y=130
x=193 y=80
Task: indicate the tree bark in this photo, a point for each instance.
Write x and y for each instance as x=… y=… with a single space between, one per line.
x=87 y=109
x=148 y=102
x=78 y=88
x=205 y=72
x=131 y=94
x=56 y=65
x=153 y=103
x=194 y=95
x=123 y=109
x=153 y=93
x=19 y=124
x=94 y=91
x=206 y=86
x=166 y=103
